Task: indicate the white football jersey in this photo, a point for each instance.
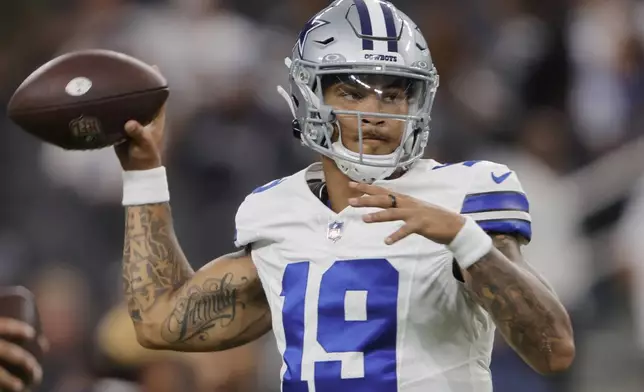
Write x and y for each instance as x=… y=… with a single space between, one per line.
x=351 y=313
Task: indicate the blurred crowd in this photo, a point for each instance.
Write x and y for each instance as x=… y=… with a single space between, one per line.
x=552 y=88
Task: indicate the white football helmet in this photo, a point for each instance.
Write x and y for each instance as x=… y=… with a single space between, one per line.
x=359 y=40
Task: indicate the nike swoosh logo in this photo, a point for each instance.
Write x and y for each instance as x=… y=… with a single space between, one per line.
x=501 y=178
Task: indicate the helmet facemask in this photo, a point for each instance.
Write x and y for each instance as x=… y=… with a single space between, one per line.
x=320 y=123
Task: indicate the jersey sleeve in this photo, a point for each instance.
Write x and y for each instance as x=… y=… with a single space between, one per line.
x=252 y=214
x=245 y=232
x=497 y=202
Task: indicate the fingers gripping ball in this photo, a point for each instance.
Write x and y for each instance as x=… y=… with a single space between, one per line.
x=82 y=100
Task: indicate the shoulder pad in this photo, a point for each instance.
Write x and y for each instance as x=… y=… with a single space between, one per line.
x=496 y=200
x=251 y=211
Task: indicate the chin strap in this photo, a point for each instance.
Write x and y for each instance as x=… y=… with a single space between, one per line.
x=360 y=172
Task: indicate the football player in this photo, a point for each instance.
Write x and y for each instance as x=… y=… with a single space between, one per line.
x=377 y=270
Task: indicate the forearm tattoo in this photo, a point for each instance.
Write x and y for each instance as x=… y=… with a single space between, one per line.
x=525 y=311
x=203 y=307
x=153 y=263
x=156 y=272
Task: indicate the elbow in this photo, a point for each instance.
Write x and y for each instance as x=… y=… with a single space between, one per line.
x=147 y=338
x=561 y=350
x=559 y=360
x=564 y=358
x=148 y=343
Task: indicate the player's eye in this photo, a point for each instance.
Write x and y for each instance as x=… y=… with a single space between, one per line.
x=350 y=95
x=393 y=96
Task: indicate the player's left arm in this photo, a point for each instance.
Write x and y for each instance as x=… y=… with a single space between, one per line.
x=524 y=308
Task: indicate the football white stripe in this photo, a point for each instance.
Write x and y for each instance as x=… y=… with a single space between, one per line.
x=378 y=26
x=479 y=216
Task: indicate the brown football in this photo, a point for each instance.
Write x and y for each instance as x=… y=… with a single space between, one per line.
x=82 y=100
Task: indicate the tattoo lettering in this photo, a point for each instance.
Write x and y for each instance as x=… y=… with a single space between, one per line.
x=214 y=303
x=171 y=307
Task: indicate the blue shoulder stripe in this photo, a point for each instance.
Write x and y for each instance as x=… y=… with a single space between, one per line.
x=268 y=186
x=495 y=201
x=507 y=226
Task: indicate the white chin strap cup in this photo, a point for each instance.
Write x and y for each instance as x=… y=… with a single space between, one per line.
x=361 y=172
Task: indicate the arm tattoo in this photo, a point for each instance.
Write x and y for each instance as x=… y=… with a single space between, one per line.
x=525 y=311
x=153 y=263
x=202 y=308
x=510 y=247
x=193 y=312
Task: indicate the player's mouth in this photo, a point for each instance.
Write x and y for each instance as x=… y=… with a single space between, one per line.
x=373 y=136
x=375 y=146
x=373 y=142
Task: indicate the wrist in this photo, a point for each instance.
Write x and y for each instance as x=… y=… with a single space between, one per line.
x=145 y=186
x=141 y=165
x=470 y=244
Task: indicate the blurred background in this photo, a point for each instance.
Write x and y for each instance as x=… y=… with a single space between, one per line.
x=552 y=88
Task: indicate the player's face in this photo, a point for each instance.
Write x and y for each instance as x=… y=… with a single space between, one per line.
x=372 y=94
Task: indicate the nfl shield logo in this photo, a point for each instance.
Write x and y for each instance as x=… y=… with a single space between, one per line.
x=85 y=128
x=334 y=230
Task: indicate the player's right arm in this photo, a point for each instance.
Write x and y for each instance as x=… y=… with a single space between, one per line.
x=219 y=307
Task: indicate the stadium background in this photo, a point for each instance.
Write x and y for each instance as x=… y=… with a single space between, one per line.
x=553 y=88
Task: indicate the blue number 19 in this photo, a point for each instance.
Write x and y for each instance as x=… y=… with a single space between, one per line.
x=374 y=336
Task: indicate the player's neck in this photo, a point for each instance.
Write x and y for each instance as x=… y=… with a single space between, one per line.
x=337 y=185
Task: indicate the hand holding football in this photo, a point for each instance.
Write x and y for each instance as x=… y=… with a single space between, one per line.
x=82 y=100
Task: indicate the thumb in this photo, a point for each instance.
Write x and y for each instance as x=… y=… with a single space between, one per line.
x=139 y=135
x=135 y=130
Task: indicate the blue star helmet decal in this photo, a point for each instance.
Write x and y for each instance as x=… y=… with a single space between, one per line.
x=311 y=25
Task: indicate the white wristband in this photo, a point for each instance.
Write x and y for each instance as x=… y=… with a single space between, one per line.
x=145 y=187
x=470 y=244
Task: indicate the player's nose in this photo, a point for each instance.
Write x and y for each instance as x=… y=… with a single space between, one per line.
x=372 y=104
